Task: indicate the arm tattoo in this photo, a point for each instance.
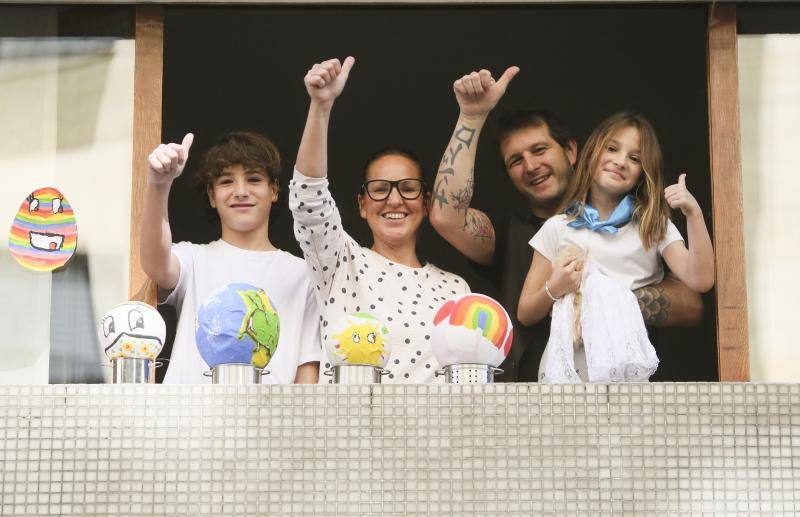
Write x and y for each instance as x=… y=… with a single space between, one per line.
x=454 y=153
x=438 y=192
x=462 y=198
x=479 y=225
x=449 y=171
x=654 y=304
x=475 y=222
x=465 y=134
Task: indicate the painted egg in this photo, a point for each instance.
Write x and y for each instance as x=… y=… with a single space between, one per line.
x=471 y=328
x=358 y=338
x=132 y=330
x=237 y=324
x=44 y=232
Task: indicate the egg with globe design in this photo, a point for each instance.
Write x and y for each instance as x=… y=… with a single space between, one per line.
x=44 y=233
x=237 y=324
x=471 y=328
x=358 y=339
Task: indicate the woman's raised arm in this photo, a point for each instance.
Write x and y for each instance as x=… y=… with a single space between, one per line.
x=324 y=83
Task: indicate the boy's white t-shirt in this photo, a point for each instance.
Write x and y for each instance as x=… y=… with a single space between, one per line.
x=207 y=267
x=619 y=255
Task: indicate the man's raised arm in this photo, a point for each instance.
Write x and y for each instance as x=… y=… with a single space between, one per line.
x=469 y=230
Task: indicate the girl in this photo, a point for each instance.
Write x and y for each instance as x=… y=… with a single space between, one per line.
x=618 y=216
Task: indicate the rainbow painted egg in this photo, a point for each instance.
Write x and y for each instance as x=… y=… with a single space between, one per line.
x=44 y=233
x=237 y=324
x=471 y=328
x=358 y=338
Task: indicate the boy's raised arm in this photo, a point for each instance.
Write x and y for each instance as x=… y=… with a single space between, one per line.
x=469 y=230
x=165 y=163
x=324 y=83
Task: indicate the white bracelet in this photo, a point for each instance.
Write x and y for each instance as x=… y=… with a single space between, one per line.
x=548 y=293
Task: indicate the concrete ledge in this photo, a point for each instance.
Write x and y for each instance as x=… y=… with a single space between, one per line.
x=510 y=449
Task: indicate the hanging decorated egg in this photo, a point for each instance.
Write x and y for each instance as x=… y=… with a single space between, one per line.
x=44 y=233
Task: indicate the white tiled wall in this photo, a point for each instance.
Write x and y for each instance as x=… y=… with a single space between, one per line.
x=505 y=449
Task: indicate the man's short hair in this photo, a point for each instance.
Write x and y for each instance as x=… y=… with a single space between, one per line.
x=513 y=121
x=252 y=151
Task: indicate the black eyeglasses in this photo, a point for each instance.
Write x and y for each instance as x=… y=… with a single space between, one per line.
x=378 y=190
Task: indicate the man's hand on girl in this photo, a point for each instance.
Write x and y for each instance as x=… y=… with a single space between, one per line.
x=679 y=198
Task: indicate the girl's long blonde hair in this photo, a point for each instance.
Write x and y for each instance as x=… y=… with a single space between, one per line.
x=650 y=208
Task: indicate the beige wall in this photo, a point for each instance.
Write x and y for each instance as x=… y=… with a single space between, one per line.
x=769 y=92
x=66 y=109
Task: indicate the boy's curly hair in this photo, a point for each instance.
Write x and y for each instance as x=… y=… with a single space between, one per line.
x=251 y=150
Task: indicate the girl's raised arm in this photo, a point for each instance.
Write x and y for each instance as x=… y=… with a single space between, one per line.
x=695 y=266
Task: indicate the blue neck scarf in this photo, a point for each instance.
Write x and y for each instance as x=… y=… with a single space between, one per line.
x=590 y=216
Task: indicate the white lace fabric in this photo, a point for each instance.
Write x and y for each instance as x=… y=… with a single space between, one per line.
x=614 y=336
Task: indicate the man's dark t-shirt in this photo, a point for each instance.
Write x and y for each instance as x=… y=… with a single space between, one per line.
x=512 y=260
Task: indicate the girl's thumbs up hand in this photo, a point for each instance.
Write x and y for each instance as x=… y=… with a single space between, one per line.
x=679 y=198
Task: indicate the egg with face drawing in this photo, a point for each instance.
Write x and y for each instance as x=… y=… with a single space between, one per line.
x=44 y=232
x=132 y=330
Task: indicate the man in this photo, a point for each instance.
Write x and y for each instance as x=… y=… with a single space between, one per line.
x=538 y=154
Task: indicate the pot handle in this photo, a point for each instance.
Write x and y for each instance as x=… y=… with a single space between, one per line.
x=329 y=373
x=438 y=373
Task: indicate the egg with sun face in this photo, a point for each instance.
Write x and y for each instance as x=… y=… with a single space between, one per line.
x=44 y=232
x=358 y=338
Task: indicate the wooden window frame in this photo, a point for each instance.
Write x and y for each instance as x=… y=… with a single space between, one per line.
x=147 y=95
x=726 y=194
x=726 y=172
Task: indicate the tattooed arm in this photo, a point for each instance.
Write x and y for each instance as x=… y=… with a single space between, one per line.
x=469 y=230
x=669 y=304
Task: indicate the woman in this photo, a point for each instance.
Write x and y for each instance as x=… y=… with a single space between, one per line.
x=387 y=280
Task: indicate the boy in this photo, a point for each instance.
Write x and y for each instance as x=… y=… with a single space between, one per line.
x=239 y=175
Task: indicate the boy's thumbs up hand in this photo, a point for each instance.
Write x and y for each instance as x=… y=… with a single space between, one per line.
x=167 y=161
